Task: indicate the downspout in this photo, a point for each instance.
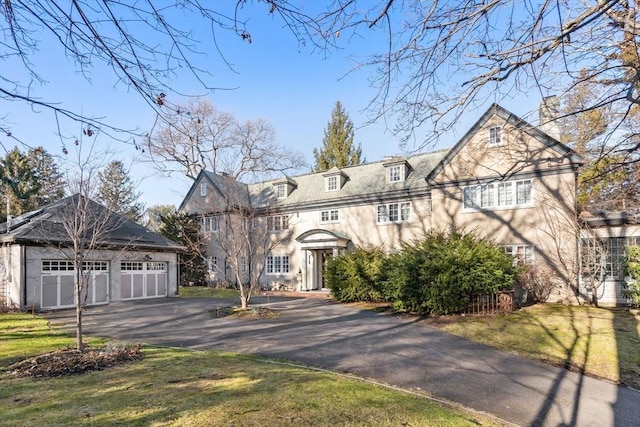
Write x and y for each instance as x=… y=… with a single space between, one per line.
x=177 y=273
x=23 y=274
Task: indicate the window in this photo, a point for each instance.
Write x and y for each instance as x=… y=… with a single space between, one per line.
x=212 y=263
x=394 y=212
x=331 y=183
x=278 y=223
x=329 y=216
x=131 y=266
x=243 y=264
x=277 y=264
x=281 y=191
x=396 y=173
x=522 y=254
x=209 y=224
x=203 y=189
x=604 y=257
x=495 y=136
x=488 y=196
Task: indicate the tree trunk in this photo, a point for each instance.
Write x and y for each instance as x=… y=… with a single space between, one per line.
x=244 y=302
x=79 y=344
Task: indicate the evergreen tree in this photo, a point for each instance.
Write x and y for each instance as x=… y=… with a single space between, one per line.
x=48 y=176
x=154 y=216
x=185 y=230
x=117 y=192
x=19 y=184
x=337 y=145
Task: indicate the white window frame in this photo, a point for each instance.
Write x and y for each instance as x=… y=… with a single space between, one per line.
x=277 y=264
x=393 y=213
x=331 y=183
x=494 y=136
x=330 y=216
x=522 y=254
x=209 y=224
x=203 y=189
x=502 y=195
x=396 y=173
x=212 y=263
x=281 y=191
x=243 y=264
x=278 y=223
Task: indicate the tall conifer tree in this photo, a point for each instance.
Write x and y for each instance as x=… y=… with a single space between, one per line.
x=337 y=145
x=117 y=192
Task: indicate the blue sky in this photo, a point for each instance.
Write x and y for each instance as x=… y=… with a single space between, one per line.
x=274 y=78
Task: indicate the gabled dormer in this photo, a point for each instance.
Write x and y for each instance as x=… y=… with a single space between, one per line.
x=284 y=187
x=334 y=179
x=397 y=169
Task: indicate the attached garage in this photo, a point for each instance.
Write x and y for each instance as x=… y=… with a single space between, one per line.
x=130 y=262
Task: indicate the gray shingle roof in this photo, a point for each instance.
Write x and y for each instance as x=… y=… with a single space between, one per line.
x=45 y=227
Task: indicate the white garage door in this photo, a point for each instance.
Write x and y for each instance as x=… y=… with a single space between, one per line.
x=142 y=279
x=58 y=290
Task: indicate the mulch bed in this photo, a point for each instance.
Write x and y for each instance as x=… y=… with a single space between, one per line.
x=70 y=361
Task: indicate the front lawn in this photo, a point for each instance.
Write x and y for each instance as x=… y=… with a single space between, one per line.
x=604 y=342
x=207 y=292
x=199 y=388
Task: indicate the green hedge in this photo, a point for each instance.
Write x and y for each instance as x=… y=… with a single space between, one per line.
x=355 y=276
x=632 y=267
x=439 y=274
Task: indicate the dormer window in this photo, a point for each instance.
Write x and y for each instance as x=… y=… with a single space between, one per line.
x=203 y=189
x=495 y=136
x=283 y=188
x=331 y=183
x=281 y=191
x=396 y=173
x=397 y=169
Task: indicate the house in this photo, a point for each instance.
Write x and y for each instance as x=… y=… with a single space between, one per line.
x=504 y=179
x=129 y=262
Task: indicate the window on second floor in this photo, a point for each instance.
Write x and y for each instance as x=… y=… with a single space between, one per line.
x=203 y=189
x=208 y=224
x=495 y=136
x=331 y=183
x=278 y=223
x=329 y=216
x=498 y=195
x=281 y=191
x=394 y=212
x=396 y=173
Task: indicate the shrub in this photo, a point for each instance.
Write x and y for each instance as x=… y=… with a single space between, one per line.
x=538 y=283
x=442 y=273
x=355 y=276
x=632 y=269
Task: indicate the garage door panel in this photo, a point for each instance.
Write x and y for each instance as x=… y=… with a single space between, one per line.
x=151 y=285
x=125 y=286
x=162 y=284
x=49 y=291
x=66 y=291
x=138 y=286
x=143 y=279
x=101 y=289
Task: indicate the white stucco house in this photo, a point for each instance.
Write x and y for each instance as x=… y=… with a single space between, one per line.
x=130 y=261
x=505 y=179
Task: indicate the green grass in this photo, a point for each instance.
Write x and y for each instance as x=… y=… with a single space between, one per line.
x=23 y=335
x=206 y=292
x=603 y=342
x=180 y=387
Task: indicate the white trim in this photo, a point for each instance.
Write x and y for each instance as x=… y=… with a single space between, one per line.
x=498 y=195
x=203 y=189
x=393 y=213
x=494 y=136
x=330 y=217
x=331 y=183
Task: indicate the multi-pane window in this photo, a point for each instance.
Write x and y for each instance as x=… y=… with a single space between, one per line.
x=243 y=264
x=59 y=265
x=495 y=136
x=522 y=254
x=277 y=223
x=277 y=264
x=329 y=216
x=281 y=191
x=203 y=188
x=131 y=266
x=394 y=212
x=396 y=173
x=499 y=195
x=605 y=257
x=331 y=183
x=208 y=224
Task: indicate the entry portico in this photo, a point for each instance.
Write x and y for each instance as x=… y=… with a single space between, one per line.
x=318 y=246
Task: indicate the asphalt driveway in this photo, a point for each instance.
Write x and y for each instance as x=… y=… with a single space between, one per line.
x=400 y=351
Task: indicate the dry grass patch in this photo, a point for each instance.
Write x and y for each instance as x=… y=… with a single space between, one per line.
x=207 y=292
x=251 y=313
x=601 y=342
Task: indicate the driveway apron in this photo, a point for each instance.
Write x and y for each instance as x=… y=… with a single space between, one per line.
x=397 y=350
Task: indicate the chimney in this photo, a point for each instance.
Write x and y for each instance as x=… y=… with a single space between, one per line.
x=548 y=115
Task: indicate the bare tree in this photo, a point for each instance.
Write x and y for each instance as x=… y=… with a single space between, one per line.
x=199 y=136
